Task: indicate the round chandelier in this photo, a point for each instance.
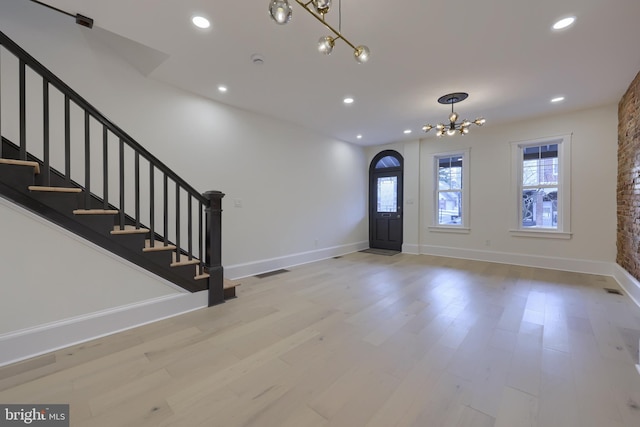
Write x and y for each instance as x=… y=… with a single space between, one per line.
x=281 y=12
x=454 y=127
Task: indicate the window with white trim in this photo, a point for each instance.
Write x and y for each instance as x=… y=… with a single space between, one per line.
x=541 y=170
x=451 y=183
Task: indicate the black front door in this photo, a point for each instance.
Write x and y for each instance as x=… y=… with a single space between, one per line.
x=385 y=201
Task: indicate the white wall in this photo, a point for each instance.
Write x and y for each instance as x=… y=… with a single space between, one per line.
x=302 y=195
x=593 y=192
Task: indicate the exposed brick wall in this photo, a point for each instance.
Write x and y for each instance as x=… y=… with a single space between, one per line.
x=628 y=193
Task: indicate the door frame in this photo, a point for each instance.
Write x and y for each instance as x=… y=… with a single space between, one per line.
x=373 y=175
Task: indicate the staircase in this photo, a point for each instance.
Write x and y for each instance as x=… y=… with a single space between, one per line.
x=87 y=175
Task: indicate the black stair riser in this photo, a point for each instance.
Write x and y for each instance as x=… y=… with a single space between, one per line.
x=161 y=258
x=186 y=271
x=16 y=176
x=58 y=201
x=135 y=242
x=102 y=224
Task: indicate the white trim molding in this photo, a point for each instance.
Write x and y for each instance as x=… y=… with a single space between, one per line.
x=547 y=234
x=463 y=227
x=527 y=260
x=627 y=282
x=239 y=271
x=563 y=229
x=38 y=340
x=411 y=249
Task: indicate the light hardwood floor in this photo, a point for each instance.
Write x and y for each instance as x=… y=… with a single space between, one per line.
x=364 y=340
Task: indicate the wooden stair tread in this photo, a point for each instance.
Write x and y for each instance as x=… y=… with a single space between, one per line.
x=54 y=189
x=34 y=165
x=95 y=212
x=158 y=246
x=228 y=284
x=129 y=229
x=188 y=262
x=184 y=260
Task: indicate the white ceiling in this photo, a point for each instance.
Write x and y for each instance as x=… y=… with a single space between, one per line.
x=502 y=52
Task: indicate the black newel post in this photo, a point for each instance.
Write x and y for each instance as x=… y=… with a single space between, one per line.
x=213 y=246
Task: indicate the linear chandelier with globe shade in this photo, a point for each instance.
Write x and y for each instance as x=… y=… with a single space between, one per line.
x=454 y=127
x=281 y=11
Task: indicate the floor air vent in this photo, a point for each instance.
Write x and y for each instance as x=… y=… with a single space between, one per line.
x=612 y=291
x=271 y=273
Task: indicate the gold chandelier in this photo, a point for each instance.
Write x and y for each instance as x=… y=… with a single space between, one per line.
x=280 y=11
x=453 y=127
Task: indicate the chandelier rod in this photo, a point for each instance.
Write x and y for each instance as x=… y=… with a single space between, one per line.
x=85 y=21
x=337 y=33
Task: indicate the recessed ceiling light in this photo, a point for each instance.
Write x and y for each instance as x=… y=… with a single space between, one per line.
x=348 y=100
x=564 y=23
x=407 y=131
x=222 y=88
x=200 y=22
x=558 y=99
x=359 y=136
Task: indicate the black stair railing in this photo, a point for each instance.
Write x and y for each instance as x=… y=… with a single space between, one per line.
x=42 y=97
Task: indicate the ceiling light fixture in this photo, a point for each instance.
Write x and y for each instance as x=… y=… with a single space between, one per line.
x=348 y=100
x=453 y=127
x=281 y=11
x=558 y=99
x=222 y=88
x=407 y=131
x=201 y=22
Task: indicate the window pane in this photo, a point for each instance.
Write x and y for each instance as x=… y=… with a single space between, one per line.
x=388 y=162
x=450 y=173
x=540 y=171
x=540 y=207
x=388 y=194
x=540 y=152
x=449 y=207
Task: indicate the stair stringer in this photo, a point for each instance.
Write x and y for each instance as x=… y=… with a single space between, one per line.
x=92 y=228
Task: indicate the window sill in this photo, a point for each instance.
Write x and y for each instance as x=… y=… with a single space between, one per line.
x=541 y=233
x=445 y=229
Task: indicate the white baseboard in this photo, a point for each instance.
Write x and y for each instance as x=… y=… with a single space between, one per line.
x=239 y=271
x=412 y=249
x=31 y=342
x=624 y=279
x=552 y=263
x=628 y=283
